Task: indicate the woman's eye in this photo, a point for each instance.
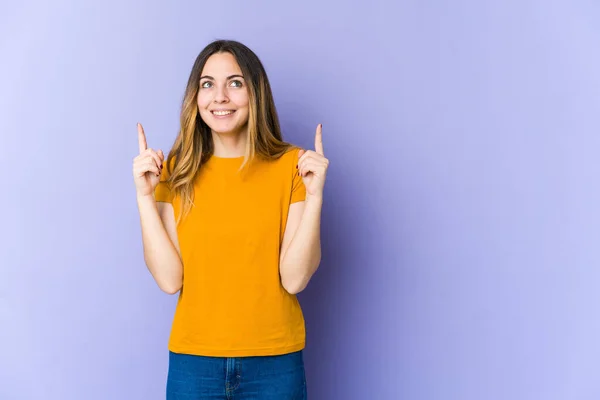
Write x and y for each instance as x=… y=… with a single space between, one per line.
x=209 y=84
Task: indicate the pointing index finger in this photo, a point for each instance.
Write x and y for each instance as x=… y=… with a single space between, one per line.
x=319 y=139
x=141 y=138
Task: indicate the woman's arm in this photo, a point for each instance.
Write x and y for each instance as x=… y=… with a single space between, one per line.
x=301 y=246
x=159 y=233
x=161 y=248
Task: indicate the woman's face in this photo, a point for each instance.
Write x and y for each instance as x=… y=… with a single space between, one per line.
x=223 y=95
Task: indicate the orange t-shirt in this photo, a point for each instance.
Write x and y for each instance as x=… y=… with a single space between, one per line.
x=232 y=303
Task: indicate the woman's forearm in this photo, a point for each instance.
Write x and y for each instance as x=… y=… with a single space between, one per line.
x=303 y=255
x=160 y=254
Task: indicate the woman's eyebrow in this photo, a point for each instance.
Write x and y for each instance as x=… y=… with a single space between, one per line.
x=229 y=77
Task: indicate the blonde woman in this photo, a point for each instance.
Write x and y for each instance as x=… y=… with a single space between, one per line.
x=231 y=220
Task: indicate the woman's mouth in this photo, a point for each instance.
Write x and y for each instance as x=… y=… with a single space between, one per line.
x=222 y=113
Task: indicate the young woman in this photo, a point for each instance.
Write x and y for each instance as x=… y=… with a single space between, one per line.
x=231 y=221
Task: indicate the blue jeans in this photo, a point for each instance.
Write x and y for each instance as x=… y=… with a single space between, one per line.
x=192 y=377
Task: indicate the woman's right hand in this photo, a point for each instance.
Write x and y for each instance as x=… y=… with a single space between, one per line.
x=147 y=166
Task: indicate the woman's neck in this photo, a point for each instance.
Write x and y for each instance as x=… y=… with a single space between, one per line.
x=228 y=145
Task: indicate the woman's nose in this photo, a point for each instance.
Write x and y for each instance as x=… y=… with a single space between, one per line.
x=221 y=95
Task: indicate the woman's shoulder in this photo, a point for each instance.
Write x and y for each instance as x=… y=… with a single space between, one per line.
x=281 y=155
x=292 y=151
x=285 y=162
x=290 y=156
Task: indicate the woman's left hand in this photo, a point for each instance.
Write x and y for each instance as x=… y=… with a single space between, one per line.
x=312 y=166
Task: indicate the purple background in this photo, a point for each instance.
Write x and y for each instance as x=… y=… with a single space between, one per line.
x=461 y=220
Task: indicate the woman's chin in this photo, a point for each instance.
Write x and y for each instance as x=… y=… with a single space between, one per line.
x=228 y=129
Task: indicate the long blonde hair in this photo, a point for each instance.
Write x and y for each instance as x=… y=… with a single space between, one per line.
x=194 y=145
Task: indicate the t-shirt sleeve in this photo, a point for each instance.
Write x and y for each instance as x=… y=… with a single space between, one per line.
x=162 y=192
x=298 y=188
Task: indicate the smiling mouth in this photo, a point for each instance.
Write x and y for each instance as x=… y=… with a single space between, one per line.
x=222 y=113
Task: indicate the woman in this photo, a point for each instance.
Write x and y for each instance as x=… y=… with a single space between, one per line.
x=231 y=221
